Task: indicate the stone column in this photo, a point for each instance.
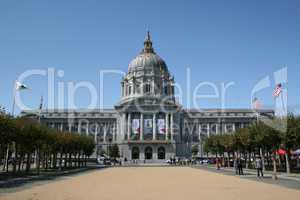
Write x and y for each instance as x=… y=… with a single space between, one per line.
x=167 y=125
x=123 y=125
x=225 y=128
x=128 y=126
x=233 y=127
x=199 y=131
x=105 y=132
x=154 y=126
x=70 y=127
x=208 y=129
x=153 y=87
x=87 y=128
x=96 y=132
x=115 y=132
x=142 y=87
x=200 y=138
x=61 y=127
x=133 y=86
x=142 y=127
x=79 y=127
x=171 y=127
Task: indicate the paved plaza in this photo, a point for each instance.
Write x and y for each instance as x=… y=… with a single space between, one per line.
x=151 y=183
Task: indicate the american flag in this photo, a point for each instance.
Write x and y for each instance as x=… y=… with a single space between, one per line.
x=277 y=90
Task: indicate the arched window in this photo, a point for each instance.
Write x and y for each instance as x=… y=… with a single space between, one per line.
x=137 y=90
x=135 y=153
x=166 y=90
x=161 y=153
x=148 y=153
x=148 y=88
x=129 y=90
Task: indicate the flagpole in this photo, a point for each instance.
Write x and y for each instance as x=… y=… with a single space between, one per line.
x=14 y=99
x=274 y=173
x=40 y=109
x=12 y=113
x=282 y=104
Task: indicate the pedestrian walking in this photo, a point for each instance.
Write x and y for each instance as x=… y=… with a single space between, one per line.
x=218 y=163
x=259 y=167
x=235 y=166
x=240 y=166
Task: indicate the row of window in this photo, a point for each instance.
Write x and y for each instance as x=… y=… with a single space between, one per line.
x=147 y=89
x=213 y=128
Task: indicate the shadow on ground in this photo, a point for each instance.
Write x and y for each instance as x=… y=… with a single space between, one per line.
x=12 y=183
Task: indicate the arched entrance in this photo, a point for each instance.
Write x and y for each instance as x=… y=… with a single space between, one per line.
x=135 y=153
x=148 y=153
x=161 y=153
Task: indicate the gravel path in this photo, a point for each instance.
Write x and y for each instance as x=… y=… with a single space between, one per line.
x=139 y=183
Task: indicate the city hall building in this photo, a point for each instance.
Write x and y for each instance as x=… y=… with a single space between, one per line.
x=147 y=123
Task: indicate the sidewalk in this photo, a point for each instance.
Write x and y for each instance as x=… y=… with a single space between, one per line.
x=291 y=181
x=291 y=176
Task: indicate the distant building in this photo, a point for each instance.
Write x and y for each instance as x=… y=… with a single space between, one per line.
x=148 y=123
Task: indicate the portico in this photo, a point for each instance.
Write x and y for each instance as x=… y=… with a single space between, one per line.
x=149 y=123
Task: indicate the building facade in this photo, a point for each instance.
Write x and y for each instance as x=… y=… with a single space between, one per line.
x=147 y=123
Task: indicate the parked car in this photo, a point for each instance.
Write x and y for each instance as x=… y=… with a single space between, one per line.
x=102 y=160
x=205 y=161
x=168 y=161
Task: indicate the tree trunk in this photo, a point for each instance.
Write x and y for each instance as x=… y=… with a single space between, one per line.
x=14 y=161
x=47 y=160
x=70 y=160
x=20 y=162
x=247 y=160
x=79 y=161
x=287 y=163
x=38 y=160
x=6 y=159
x=43 y=161
x=23 y=163
x=60 y=161
x=279 y=162
x=228 y=161
x=274 y=175
x=54 y=160
x=28 y=162
x=66 y=160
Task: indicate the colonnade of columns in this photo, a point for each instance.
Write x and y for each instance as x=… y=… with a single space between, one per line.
x=126 y=125
x=207 y=128
x=89 y=128
x=132 y=88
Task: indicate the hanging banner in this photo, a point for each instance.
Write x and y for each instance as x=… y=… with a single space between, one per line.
x=135 y=126
x=161 y=126
x=148 y=127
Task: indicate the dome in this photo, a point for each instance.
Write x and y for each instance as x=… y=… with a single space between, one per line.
x=147 y=58
x=147 y=76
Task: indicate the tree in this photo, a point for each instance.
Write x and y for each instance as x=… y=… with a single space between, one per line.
x=28 y=139
x=195 y=150
x=114 y=151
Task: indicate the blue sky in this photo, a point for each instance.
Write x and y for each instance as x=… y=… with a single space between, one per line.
x=219 y=41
